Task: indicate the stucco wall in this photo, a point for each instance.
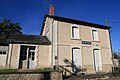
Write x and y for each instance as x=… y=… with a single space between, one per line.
x=3 y=57
x=64 y=54
x=87 y=56
x=2 y=61
x=44 y=56
x=64 y=35
x=106 y=56
x=15 y=53
x=86 y=34
x=103 y=43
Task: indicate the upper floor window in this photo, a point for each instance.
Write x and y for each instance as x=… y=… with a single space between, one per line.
x=75 y=32
x=95 y=35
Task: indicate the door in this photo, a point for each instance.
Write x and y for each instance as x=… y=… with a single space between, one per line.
x=97 y=60
x=31 y=59
x=76 y=59
x=27 y=57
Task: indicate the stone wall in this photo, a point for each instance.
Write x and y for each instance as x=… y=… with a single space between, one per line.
x=31 y=76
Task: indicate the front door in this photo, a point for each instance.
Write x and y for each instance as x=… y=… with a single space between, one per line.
x=31 y=59
x=27 y=57
x=76 y=59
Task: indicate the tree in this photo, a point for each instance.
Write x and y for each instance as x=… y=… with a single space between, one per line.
x=115 y=55
x=8 y=28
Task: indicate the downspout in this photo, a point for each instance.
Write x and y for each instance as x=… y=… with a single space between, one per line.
x=57 y=44
x=52 y=45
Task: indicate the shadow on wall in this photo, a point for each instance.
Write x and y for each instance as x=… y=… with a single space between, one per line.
x=75 y=69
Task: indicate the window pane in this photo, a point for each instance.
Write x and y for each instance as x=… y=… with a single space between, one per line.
x=0 y=52
x=4 y=52
x=32 y=58
x=33 y=55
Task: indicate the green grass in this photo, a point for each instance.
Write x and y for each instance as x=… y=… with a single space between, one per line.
x=15 y=70
x=7 y=70
x=43 y=70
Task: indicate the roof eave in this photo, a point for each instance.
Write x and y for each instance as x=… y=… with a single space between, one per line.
x=76 y=22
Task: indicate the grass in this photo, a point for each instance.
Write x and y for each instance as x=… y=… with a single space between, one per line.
x=7 y=70
x=43 y=70
x=15 y=70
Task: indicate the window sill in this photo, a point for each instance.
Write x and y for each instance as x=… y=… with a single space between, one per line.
x=95 y=41
x=75 y=39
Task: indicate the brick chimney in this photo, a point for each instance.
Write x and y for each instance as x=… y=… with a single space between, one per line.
x=51 y=11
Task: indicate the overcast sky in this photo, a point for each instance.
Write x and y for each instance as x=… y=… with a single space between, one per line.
x=30 y=13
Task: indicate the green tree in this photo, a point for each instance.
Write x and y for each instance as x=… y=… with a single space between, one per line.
x=115 y=55
x=8 y=28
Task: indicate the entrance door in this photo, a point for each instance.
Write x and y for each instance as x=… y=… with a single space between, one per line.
x=31 y=59
x=27 y=57
x=76 y=59
x=97 y=60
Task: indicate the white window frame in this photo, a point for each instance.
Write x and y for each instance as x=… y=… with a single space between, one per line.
x=97 y=35
x=78 y=35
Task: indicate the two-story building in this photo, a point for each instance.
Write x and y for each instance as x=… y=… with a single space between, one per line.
x=78 y=45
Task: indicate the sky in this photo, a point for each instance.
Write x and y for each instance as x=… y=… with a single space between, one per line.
x=30 y=14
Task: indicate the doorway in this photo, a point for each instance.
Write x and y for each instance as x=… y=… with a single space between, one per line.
x=76 y=60
x=97 y=60
x=27 y=57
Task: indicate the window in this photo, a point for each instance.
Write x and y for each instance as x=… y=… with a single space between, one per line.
x=75 y=32
x=3 y=52
x=95 y=35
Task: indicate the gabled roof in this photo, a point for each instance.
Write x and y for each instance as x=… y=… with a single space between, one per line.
x=26 y=39
x=63 y=19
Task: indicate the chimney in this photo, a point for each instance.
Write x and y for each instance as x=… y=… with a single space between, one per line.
x=51 y=11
